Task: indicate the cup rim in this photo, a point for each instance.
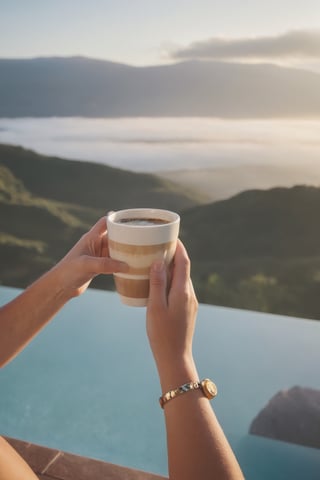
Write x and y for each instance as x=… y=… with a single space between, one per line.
x=168 y=215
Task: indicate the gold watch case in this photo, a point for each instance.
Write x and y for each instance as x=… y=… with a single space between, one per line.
x=209 y=388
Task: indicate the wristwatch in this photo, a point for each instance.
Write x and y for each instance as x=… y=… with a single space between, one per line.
x=207 y=386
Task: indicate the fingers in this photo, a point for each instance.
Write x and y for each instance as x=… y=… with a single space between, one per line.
x=100 y=227
x=97 y=265
x=159 y=280
x=181 y=268
x=97 y=238
x=158 y=285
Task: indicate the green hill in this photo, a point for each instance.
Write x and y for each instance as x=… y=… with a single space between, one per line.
x=47 y=203
x=89 y=184
x=280 y=222
x=258 y=250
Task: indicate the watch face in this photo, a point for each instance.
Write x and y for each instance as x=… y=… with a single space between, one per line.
x=209 y=388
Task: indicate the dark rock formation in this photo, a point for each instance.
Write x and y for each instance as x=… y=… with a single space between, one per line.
x=292 y=416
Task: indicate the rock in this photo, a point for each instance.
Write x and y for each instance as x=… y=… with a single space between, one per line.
x=292 y=416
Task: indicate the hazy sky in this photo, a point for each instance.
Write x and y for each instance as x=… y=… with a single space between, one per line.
x=143 y=32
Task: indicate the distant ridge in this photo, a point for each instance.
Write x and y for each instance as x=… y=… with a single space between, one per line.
x=78 y=86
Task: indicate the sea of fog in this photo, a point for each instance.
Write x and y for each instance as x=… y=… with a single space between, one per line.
x=162 y=144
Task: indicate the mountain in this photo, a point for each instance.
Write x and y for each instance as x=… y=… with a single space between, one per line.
x=47 y=203
x=79 y=86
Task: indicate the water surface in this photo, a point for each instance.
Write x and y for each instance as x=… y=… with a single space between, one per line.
x=87 y=384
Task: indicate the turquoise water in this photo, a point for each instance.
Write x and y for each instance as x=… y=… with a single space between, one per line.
x=87 y=384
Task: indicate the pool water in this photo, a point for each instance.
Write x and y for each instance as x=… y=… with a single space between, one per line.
x=87 y=384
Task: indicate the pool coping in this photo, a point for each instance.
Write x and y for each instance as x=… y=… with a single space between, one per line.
x=53 y=464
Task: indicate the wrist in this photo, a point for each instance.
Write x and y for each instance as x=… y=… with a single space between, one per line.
x=177 y=372
x=61 y=287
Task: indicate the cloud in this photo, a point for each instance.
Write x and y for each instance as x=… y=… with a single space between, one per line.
x=175 y=143
x=295 y=44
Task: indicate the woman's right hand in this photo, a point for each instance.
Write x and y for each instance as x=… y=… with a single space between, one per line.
x=171 y=316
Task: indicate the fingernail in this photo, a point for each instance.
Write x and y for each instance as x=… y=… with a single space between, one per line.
x=158 y=266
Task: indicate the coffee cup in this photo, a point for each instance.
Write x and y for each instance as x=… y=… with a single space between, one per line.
x=139 y=237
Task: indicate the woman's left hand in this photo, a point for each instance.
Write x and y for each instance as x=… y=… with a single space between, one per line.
x=88 y=258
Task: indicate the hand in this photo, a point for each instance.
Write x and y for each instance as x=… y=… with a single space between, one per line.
x=197 y=447
x=171 y=318
x=88 y=258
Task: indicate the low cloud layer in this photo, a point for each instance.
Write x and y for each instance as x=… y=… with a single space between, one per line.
x=162 y=144
x=296 y=44
x=217 y=157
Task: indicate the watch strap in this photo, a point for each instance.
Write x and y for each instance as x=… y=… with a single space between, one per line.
x=207 y=386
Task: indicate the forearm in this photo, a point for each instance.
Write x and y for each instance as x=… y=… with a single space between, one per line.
x=197 y=447
x=12 y=466
x=28 y=313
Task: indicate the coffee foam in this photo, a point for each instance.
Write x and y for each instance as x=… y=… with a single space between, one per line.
x=144 y=222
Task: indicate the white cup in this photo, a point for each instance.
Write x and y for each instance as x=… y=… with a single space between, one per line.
x=139 y=237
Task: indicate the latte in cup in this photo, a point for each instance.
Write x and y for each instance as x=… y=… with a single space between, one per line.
x=139 y=237
x=143 y=221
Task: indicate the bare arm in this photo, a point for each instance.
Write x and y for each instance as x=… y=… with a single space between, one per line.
x=197 y=446
x=12 y=466
x=26 y=315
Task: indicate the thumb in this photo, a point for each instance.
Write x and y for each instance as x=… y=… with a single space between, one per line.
x=158 y=284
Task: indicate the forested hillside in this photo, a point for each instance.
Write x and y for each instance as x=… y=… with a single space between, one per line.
x=258 y=250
